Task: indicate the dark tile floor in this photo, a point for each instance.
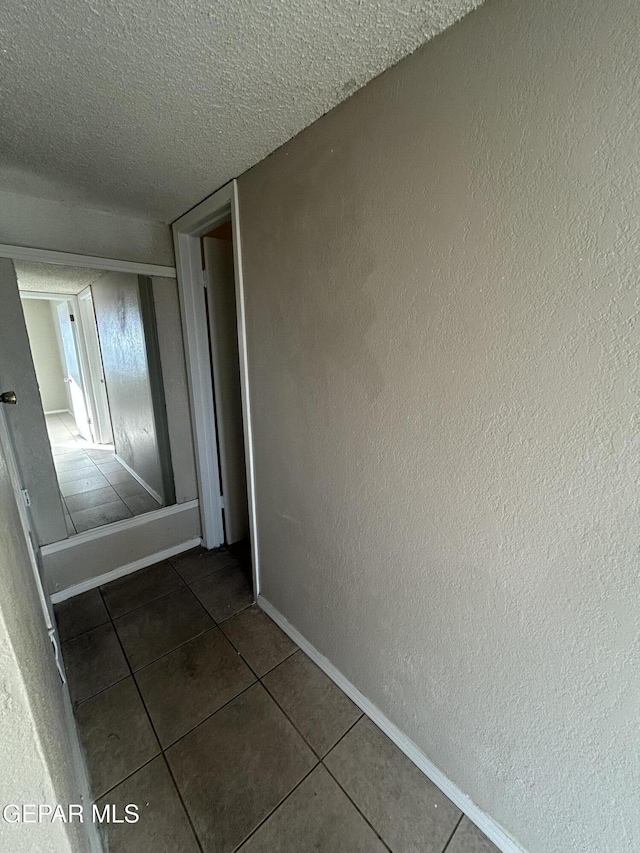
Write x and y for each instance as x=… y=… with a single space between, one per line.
x=95 y=488
x=192 y=704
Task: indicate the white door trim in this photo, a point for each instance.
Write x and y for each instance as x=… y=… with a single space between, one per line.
x=186 y=234
x=67 y=259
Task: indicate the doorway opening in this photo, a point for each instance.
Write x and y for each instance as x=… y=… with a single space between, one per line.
x=207 y=243
x=222 y=324
x=92 y=337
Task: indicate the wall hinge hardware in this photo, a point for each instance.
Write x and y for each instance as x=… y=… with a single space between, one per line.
x=222 y=506
x=56 y=654
x=72 y=318
x=25 y=497
x=204 y=279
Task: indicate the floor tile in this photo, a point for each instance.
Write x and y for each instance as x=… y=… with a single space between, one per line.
x=468 y=839
x=77 y=474
x=225 y=592
x=185 y=687
x=258 y=639
x=317 y=816
x=79 y=614
x=113 y=465
x=116 y=735
x=163 y=826
x=120 y=476
x=403 y=806
x=83 y=484
x=64 y=444
x=234 y=768
x=98 y=516
x=139 y=504
x=317 y=707
x=93 y=661
x=74 y=465
x=161 y=626
x=65 y=455
x=199 y=563
x=101 y=455
x=85 y=500
x=128 y=488
x=140 y=588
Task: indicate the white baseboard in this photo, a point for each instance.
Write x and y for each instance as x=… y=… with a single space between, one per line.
x=485 y=824
x=58 y=412
x=137 y=477
x=116 y=527
x=114 y=574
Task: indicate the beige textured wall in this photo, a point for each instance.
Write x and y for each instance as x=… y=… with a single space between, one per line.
x=174 y=377
x=116 y=301
x=442 y=303
x=47 y=359
x=44 y=224
x=36 y=735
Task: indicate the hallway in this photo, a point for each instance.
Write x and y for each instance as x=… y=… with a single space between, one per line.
x=192 y=704
x=95 y=488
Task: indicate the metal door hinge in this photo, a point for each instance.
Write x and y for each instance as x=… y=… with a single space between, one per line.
x=26 y=497
x=222 y=505
x=205 y=280
x=56 y=654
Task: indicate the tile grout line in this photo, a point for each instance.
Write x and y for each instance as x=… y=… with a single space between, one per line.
x=155 y=734
x=275 y=808
x=348 y=796
x=258 y=680
x=182 y=802
x=455 y=829
x=319 y=760
x=140 y=606
x=98 y=692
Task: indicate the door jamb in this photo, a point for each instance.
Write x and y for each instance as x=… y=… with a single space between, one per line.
x=187 y=231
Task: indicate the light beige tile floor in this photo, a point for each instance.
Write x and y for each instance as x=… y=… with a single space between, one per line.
x=95 y=488
x=194 y=705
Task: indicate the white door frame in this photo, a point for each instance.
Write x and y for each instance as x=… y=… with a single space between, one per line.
x=96 y=386
x=79 y=338
x=187 y=232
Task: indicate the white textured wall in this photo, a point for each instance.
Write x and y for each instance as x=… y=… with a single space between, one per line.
x=36 y=737
x=45 y=224
x=45 y=353
x=442 y=304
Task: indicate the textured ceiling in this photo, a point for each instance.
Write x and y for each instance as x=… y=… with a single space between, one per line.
x=52 y=278
x=146 y=107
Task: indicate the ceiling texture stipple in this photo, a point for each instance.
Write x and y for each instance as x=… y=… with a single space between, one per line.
x=53 y=278
x=146 y=107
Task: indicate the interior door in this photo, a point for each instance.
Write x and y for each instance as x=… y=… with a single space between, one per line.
x=73 y=375
x=102 y=427
x=225 y=365
x=22 y=501
x=26 y=419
